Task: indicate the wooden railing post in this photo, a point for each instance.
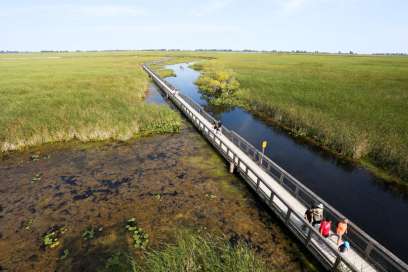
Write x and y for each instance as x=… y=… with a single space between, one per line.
x=336 y=263
x=271 y=198
x=309 y=236
x=281 y=178
x=287 y=217
x=368 y=249
x=258 y=181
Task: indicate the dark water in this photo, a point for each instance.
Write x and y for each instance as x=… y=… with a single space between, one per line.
x=379 y=210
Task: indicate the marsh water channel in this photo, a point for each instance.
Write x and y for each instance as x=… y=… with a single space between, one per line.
x=367 y=200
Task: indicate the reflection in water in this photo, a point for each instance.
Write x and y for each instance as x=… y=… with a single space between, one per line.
x=355 y=192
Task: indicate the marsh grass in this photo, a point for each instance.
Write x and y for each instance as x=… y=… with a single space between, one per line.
x=219 y=85
x=61 y=97
x=201 y=252
x=354 y=105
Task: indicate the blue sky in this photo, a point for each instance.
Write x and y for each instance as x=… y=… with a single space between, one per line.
x=363 y=26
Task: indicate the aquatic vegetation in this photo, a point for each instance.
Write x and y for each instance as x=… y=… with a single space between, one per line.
x=210 y=195
x=191 y=252
x=35 y=157
x=36 y=177
x=51 y=238
x=120 y=262
x=88 y=234
x=157 y=196
x=140 y=238
x=27 y=224
x=219 y=85
x=65 y=254
x=203 y=252
x=91 y=232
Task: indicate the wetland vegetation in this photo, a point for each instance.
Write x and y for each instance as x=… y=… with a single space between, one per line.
x=75 y=217
x=84 y=96
x=149 y=189
x=356 y=106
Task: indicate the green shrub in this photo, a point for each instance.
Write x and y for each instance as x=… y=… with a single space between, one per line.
x=218 y=83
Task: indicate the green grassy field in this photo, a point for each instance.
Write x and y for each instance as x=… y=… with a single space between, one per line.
x=77 y=96
x=356 y=106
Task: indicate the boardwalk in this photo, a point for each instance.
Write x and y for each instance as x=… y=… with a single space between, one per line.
x=286 y=196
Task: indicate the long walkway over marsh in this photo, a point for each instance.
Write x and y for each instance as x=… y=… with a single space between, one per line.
x=286 y=196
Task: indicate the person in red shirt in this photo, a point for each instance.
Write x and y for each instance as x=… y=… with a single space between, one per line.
x=325 y=227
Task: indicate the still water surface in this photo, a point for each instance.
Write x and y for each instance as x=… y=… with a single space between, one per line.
x=355 y=192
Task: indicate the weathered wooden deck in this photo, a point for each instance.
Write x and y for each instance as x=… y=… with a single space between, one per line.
x=286 y=196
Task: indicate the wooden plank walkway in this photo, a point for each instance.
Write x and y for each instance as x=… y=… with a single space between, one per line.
x=285 y=203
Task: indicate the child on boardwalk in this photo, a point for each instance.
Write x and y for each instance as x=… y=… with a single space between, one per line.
x=344 y=246
x=341 y=230
x=325 y=227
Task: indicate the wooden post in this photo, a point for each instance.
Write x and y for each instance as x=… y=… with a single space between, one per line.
x=264 y=145
x=288 y=215
x=258 y=181
x=368 y=249
x=309 y=236
x=232 y=167
x=336 y=263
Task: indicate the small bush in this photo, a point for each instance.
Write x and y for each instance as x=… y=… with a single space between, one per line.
x=218 y=84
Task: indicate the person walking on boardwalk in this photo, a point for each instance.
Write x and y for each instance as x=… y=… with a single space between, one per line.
x=309 y=215
x=325 y=227
x=341 y=230
x=344 y=246
x=317 y=214
x=215 y=126
x=219 y=126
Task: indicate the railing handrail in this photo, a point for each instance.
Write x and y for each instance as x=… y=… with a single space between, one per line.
x=369 y=241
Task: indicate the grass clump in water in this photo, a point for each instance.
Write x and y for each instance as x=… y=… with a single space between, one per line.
x=193 y=252
x=219 y=85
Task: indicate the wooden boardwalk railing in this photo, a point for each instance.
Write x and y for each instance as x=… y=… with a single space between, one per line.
x=286 y=196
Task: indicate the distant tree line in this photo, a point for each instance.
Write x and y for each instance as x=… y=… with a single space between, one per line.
x=207 y=50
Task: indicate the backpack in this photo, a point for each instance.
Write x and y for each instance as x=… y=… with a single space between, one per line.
x=344 y=246
x=317 y=214
x=325 y=227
